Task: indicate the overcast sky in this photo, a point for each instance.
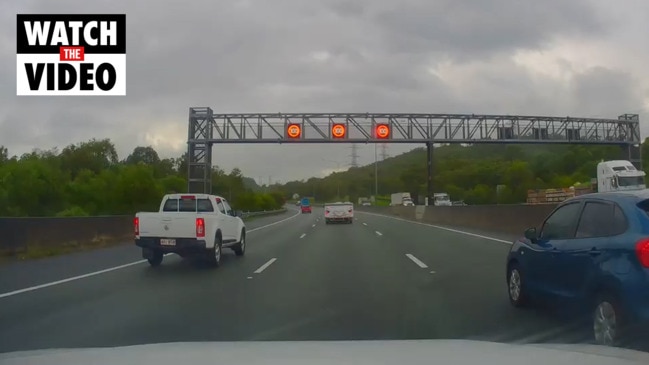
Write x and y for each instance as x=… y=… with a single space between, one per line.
x=554 y=57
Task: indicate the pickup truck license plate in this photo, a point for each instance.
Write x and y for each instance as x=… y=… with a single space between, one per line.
x=167 y=242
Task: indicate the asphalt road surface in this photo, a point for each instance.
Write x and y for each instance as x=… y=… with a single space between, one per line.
x=379 y=278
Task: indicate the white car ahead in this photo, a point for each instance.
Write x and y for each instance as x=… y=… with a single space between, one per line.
x=339 y=212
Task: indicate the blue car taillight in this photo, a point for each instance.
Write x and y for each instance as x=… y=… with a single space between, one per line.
x=642 y=251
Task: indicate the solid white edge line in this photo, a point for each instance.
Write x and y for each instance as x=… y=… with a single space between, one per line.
x=3 y=295
x=265 y=266
x=442 y=228
x=416 y=261
x=303 y=234
x=41 y=286
x=274 y=223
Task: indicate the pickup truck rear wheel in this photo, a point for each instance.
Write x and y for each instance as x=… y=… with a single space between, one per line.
x=240 y=248
x=215 y=253
x=156 y=258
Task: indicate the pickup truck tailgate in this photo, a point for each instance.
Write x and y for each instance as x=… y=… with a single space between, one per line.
x=171 y=225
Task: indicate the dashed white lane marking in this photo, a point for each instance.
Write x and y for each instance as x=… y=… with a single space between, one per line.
x=303 y=234
x=378 y=233
x=440 y=227
x=94 y=273
x=432 y=272
x=313 y=225
x=265 y=266
x=364 y=223
x=249 y=277
x=416 y=261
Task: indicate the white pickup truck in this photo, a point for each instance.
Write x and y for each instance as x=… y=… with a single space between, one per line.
x=190 y=225
x=339 y=212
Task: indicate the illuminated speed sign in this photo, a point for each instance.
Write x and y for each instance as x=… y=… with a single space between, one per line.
x=338 y=130
x=382 y=131
x=294 y=130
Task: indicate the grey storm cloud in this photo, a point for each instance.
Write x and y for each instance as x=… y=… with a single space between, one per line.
x=478 y=28
x=314 y=56
x=601 y=90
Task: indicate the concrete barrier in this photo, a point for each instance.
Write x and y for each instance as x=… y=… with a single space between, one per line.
x=17 y=234
x=508 y=219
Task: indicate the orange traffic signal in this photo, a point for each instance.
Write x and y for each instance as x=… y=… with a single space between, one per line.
x=294 y=130
x=382 y=131
x=338 y=130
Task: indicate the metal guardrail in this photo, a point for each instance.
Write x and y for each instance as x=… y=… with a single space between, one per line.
x=262 y=213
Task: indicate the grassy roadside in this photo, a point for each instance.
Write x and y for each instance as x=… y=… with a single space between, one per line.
x=37 y=251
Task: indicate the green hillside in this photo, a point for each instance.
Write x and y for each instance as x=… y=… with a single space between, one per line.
x=469 y=173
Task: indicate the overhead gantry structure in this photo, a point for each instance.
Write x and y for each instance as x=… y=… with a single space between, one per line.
x=207 y=128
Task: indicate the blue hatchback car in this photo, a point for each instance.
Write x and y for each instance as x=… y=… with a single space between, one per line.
x=591 y=251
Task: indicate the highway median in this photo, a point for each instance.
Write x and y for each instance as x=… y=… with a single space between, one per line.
x=36 y=237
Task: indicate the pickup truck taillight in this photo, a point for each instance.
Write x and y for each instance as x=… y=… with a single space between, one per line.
x=200 y=227
x=326 y=211
x=642 y=251
x=136 y=224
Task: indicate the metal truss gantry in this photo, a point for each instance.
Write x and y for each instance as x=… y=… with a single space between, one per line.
x=199 y=150
x=207 y=128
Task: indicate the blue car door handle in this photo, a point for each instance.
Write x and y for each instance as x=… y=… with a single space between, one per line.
x=594 y=252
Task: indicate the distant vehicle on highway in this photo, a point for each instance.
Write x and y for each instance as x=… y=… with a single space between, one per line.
x=339 y=212
x=441 y=199
x=305 y=205
x=401 y=199
x=619 y=175
x=591 y=253
x=616 y=175
x=190 y=225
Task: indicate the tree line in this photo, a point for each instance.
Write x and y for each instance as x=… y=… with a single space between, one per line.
x=88 y=179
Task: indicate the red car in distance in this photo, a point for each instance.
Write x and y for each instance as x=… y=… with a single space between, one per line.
x=305 y=206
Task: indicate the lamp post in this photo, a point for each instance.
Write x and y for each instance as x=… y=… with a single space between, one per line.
x=376 y=174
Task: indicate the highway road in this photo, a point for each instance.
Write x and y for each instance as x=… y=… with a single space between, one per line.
x=379 y=278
